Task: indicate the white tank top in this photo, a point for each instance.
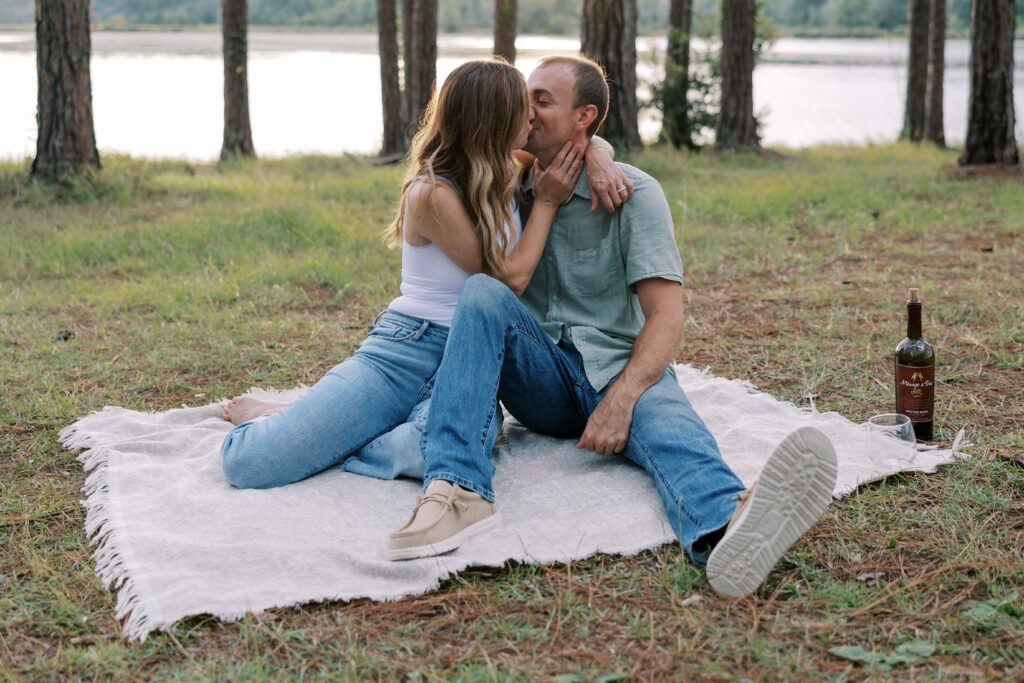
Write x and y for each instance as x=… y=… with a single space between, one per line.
x=432 y=282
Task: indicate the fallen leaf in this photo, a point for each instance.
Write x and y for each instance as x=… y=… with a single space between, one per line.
x=917 y=648
x=858 y=654
x=692 y=600
x=870 y=578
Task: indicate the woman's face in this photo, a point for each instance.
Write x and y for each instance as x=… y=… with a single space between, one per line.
x=523 y=134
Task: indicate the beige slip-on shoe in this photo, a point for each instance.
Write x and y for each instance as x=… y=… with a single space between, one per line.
x=444 y=518
x=793 y=490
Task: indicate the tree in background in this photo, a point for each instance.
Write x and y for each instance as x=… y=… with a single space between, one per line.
x=608 y=36
x=675 y=123
x=237 y=131
x=918 y=21
x=66 y=141
x=419 y=33
x=933 y=118
x=990 y=115
x=737 y=127
x=390 y=88
x=505 y=29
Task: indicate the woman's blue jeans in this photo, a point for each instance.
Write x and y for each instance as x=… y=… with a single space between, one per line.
x=367 y=412
x=497 y=346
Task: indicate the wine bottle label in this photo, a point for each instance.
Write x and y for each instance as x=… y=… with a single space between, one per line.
x=915 y=392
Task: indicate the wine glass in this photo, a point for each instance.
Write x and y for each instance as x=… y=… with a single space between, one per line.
x=894 y=426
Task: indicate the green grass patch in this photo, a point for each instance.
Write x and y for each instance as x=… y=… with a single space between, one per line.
x=153 y=284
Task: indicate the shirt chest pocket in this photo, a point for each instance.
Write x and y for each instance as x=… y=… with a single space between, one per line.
x=593 y=268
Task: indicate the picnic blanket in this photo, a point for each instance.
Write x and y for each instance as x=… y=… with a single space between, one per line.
x=173 y=539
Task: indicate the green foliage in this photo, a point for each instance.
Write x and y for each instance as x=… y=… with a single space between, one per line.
x=995 y=611
x=698 y=96
x=694 y=99
x=907 y=654
x=17 y=11
x=545 y=17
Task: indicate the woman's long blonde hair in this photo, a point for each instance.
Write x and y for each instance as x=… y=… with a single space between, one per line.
x=467 y=136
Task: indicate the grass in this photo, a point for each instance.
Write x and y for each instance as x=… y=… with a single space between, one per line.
x=174 y=283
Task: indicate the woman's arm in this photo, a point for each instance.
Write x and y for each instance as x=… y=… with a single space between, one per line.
x=439 y=216
x=551 y=187
x=607 y=183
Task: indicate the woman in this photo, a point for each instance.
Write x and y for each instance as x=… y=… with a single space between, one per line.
x=457 y=217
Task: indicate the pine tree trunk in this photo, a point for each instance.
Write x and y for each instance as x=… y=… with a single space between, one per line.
x=933 y=117
x=736 y=127
x=419 y=31
x=609 y=37
x=918 y=15
x=990 y=115
x=676 y=123
x=390 y=89
x=237 y=131
x=67 y=141
x=505 y=29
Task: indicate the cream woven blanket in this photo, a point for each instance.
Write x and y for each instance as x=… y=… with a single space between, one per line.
x=174 y=540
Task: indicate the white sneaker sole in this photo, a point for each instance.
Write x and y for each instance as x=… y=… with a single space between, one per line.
x=792 y=492
x=447 y=545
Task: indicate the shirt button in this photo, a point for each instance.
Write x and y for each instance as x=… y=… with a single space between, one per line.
x=554 y=297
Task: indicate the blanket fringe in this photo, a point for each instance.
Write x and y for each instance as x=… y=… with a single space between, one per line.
x=73 y=439
x=112 y=555
x=77 y=436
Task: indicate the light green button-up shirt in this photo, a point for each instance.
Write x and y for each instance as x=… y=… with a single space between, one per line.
x=583 y=290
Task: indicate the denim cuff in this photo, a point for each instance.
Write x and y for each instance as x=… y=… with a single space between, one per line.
x=701 y=557
x=487 y=493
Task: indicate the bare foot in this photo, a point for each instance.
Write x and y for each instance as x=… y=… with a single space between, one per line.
x=245 y=408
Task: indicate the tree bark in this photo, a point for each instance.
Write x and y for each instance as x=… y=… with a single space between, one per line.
x=736 y=127
x=66 y=142
x=237 y=131
x=390 y=88
x=675 y=124
x=505 y=29
x=609 y=37
x=419 y=31
x=990 y=115
x=933 y=115
x=918 y=15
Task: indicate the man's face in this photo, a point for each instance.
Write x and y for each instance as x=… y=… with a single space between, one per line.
x=552 y=114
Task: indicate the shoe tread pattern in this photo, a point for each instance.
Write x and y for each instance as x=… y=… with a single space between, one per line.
x=792 y=492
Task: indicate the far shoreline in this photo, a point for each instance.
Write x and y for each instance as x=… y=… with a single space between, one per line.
x=805 y=32
x=373 y=159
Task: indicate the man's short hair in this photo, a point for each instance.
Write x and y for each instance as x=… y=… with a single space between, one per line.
x=591 y=85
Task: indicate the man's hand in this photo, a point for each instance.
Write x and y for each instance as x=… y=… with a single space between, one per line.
x=607 y=183
x=607 y=429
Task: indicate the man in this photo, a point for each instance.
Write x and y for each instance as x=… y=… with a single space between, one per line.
x=585 y=353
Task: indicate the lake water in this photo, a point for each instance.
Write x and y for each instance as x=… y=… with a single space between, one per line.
x=160 y=94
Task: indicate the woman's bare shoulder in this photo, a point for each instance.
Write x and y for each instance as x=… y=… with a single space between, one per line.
x=437 y=194
x=433 y=205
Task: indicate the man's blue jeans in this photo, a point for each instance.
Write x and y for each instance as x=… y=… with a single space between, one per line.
x=496 y=347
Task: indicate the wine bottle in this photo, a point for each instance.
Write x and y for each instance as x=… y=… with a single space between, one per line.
x=915 y=373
